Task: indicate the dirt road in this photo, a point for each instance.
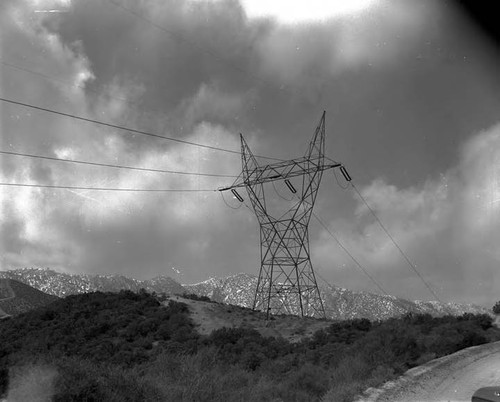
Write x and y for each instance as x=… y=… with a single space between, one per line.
x=450 y=378
x=6 y=293
x=210 y=316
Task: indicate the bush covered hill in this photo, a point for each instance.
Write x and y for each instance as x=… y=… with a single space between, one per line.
x=17 y=298
x=129 y=346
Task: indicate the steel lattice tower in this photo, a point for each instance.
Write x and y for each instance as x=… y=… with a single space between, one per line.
x=287 y=283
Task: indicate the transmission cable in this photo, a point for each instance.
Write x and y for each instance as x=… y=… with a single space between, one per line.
x=412 y=266
x=347 y=252
x=105 y=188
x=62 y=82
x=113 y=166
x=220 y=58
x=316 y=273
x=350 y=255
x=132 y=130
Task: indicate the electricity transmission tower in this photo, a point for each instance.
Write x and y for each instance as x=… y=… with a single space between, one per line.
x=287 y=283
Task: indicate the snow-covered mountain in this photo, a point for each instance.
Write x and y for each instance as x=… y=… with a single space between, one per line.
x=238 y=290
x=61 y=284
x=339 y=303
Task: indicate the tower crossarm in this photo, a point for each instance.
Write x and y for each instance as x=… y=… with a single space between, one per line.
x=281 y=171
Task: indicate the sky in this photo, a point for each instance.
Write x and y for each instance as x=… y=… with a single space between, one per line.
x=411 y=95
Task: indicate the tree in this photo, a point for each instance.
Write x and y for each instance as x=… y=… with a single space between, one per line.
x=496 y=308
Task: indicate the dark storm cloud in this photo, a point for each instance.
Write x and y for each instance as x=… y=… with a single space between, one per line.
x=203 y=43
x=405 y=86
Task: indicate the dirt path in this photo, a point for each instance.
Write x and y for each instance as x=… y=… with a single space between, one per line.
x=210 y=316
x=5 y=289
x=206 y=316
x=450 y=378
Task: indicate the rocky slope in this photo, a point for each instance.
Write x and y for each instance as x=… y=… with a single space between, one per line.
x=61 y=284
x=339 y=303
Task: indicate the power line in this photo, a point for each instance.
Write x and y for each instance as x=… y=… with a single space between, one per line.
x=412 y=266
x=378 y=285
x=104 y=188
x=350 y=255
x=323 y=279
x=132 y=130
x=113 y=166
x=220 y=58
x=65 y=83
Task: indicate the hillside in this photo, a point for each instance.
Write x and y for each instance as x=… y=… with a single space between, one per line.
x=126 y=346
x=210 y=316
x=62 y=284
x=17 y=298
x=340 y=303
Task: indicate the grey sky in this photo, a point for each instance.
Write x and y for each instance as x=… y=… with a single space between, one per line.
x=411 y=95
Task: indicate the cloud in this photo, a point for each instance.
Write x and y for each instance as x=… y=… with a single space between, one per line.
x=215 y=70
x=120 y=231
x=88 y=231
x=449 y=227
x=308 y=55
x=30 y=33
x=212 y=104
x=290 y=12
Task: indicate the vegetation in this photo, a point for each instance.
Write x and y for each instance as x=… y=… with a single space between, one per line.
x=194 y=296
x=126 y=347
x=496 y=308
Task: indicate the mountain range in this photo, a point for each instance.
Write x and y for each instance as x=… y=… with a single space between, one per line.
x=237 y=290
x=63 y=284
x=339 y=303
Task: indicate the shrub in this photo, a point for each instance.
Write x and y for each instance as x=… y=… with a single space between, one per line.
x=194 y=296
x=4 y=380
x=126 y=346
x=82 y=380
x=310 y=379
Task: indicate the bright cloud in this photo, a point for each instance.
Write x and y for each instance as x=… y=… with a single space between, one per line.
x=299 y=11
x=59 y=228
x=306 y=55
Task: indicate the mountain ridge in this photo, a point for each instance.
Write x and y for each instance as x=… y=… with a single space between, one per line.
x=340 y=303
x=238 y=289
x=63 y=284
